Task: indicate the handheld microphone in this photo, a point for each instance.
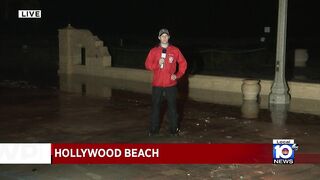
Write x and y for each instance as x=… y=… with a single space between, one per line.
x=163 y=56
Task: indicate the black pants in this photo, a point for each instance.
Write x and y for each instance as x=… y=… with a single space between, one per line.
x=171 y=95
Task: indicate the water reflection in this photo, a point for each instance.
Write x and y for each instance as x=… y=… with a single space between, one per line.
x=278 y=113
x=250 y=109
x=102 y=87
x=84 y=85
x=99 y=86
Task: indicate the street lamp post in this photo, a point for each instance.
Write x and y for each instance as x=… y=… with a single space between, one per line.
x=279 y=91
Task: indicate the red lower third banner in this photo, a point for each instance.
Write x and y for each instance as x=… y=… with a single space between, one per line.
x=282 y=151
x=161 y=153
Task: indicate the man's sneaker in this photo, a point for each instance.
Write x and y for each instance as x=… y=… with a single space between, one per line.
x=153 y=134
x=175 y=132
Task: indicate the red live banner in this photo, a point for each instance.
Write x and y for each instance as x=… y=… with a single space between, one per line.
x=161 y=153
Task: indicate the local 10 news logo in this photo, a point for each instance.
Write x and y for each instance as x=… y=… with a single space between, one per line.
x=283 y=151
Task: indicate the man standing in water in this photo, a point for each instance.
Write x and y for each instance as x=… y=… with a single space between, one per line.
x=162 y=60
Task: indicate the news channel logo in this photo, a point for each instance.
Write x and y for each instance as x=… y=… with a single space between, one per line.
x=283 y=151
x=29 y=14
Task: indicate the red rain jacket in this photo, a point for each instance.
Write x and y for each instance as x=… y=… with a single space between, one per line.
x=162 y=77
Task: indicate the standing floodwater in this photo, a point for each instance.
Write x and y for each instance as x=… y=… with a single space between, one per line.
x=120 y=116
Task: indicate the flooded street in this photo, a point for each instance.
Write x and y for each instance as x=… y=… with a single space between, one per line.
x=121 y=116
x=76 y=81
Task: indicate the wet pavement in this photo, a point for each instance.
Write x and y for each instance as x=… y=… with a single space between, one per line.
x=48 y=115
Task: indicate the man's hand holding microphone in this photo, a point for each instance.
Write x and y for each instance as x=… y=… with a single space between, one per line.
x=162 y=60
x=161 y=63
x=163 y=57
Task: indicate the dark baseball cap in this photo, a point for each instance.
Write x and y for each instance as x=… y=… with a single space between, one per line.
x=164 y=31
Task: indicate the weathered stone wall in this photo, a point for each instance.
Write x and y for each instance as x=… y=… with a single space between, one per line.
x=98 y=63
x=71 y=42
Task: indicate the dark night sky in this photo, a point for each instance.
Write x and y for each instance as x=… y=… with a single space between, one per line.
x=203 y=18
x=188 y=18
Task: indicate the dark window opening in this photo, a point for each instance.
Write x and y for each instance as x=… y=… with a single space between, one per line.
x=83 y=89
x=83 y=56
